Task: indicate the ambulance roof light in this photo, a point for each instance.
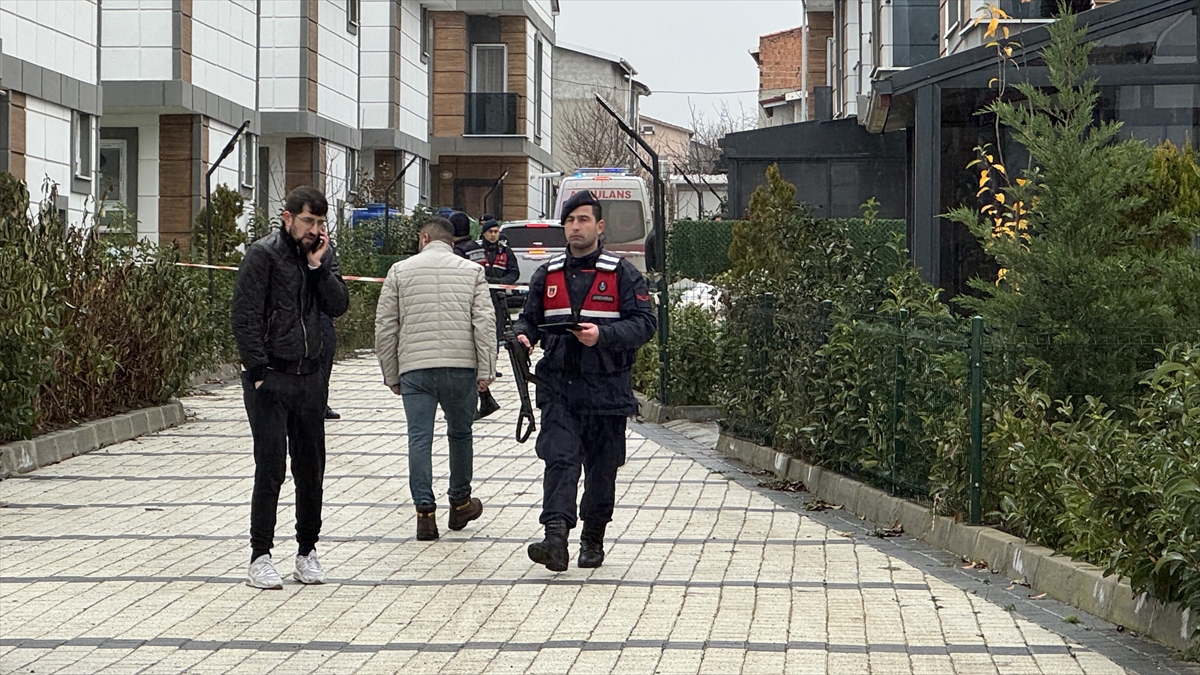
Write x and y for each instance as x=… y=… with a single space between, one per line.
x=594 y=170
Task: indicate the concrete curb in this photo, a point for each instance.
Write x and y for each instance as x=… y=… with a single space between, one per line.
x=653 y=411
x=1069 y=581
x=25 y=456
x=225 y=373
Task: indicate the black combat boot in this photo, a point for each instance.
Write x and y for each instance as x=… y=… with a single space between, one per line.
x=487 y=405
x=552 y=551
x=591 y=545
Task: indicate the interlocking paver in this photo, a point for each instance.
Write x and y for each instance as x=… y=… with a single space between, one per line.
x=131 y=560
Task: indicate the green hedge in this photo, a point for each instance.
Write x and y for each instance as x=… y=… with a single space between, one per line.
x=89 y=328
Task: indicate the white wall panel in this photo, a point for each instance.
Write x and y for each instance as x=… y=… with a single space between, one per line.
x=223 y=49
x=58 y=35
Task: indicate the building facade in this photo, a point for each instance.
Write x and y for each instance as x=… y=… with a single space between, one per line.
x=585 y=133
x=50 y=99
x=134 y=101
x=491 y=106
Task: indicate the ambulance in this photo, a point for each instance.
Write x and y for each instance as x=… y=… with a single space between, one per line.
x=625 y=201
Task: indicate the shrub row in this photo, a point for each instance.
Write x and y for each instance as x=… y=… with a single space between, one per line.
x=93 y=325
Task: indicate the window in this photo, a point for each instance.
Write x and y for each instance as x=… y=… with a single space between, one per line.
x=489 y=69
x=113 y=181
x=81 y=145
x=353 y=16
x=351 y=172
x=247 y=156
x=953 y=8
x=3 y=130
x=426 y=31
x=647 y=129
x=537 y=90
x=423 y=180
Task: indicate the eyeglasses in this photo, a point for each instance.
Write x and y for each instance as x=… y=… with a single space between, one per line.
x=313 y=220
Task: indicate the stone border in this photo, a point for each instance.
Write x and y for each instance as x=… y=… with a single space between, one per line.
x=25 y=456
x=229 y=372
x=651 y=410
x=1075 y=583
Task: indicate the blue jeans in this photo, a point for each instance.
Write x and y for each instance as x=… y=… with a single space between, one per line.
x=422 y=391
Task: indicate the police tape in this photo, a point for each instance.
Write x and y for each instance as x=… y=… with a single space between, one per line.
x=376 y=280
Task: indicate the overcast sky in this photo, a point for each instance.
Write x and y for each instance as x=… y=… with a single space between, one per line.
x=681 y=45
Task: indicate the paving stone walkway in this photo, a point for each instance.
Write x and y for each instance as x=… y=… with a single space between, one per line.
x=132 y=560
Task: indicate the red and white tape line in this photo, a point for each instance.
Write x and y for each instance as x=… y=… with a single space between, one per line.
x=377 y=280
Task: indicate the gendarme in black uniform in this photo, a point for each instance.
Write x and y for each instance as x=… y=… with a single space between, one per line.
x=586 y=392
x=500 y=266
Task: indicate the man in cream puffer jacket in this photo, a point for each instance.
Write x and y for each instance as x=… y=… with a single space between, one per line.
x=435 y=337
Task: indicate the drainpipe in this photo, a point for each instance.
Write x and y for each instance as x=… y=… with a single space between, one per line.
x=804 y=60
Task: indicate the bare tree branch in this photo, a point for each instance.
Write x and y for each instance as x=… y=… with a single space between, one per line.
x=590 y=135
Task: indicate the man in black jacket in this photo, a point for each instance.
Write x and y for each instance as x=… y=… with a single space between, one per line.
x=464 y=245
x=286 y=281
x=586 y=388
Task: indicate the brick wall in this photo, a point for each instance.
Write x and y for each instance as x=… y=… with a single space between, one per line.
x=513 y=34
x=820 y=29
x=449 y=72
x=185 y=40
x=780 y=56
x=179 y=138
x=304 y=163
x=489 y=168
x=16 y=136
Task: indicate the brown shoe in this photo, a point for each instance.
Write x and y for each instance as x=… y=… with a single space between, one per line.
x=426 y=526
x=464 y=512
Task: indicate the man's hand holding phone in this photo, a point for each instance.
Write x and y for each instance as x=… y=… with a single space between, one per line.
x=315 y=255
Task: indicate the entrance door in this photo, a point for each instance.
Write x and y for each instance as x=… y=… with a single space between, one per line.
x=469 y=194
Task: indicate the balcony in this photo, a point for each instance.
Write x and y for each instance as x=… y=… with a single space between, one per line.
x=491 y=114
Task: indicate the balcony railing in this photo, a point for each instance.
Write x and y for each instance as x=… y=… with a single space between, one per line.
x=491 y=114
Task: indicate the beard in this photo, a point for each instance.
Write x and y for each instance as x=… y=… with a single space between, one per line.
x=310 y=244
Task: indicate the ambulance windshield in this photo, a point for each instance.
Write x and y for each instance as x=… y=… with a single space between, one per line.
x=624 y=222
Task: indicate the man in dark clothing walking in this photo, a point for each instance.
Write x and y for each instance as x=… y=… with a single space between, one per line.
x=285 y=282
x=464 y=245
x=585 y=374
x=500 y=266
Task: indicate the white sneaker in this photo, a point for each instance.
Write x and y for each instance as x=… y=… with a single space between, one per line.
x=308 y=569
x=263 y=574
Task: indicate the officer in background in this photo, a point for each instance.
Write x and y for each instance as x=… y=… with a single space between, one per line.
x=500 y=266
x=464 y=245
x=586 y=390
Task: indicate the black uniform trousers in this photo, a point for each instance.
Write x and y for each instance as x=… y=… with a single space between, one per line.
x=287 y=416
x=500 y=302
x=569 y=442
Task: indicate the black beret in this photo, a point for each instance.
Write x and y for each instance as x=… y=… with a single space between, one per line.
x=581 y=198
x=461 y=223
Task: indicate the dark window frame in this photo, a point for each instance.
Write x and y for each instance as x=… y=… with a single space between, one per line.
x=538 y=66
x=426 y=35
x=353 y=16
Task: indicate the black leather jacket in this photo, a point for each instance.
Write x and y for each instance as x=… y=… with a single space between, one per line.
x=277 y=303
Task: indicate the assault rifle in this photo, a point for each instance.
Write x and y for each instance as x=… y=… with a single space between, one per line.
x=519 y=356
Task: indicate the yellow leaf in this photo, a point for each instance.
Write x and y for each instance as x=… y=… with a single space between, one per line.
x=992 y=26
x=1005 y=32
x=1000 y=197
x=1000 y=169
x=1008 y=51
x=983 y=178
x=994 y=79
x=1021 y=181
x=990 y=159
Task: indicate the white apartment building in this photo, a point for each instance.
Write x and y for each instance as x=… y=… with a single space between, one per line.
x=50 y=98
x=129 y=103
